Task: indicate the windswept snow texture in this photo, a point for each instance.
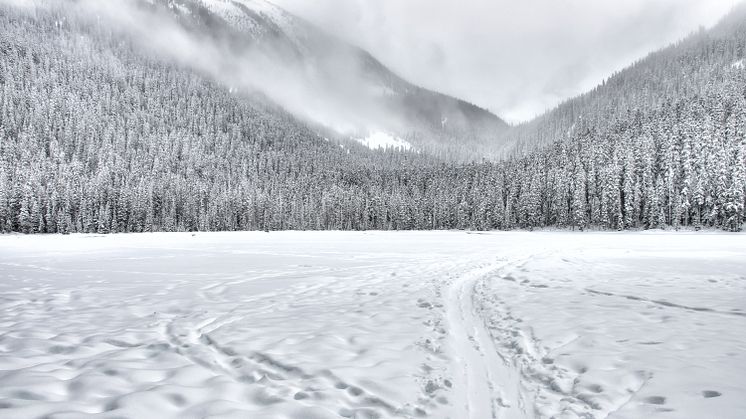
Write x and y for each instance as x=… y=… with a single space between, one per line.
x=373 y=325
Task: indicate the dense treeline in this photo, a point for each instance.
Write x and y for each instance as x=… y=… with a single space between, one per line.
x=689 y=68
x=96 y=136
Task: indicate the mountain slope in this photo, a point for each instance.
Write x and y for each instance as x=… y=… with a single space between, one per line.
x=358 y=93
x=100 y=132
x=684 y=69
x=663 y=142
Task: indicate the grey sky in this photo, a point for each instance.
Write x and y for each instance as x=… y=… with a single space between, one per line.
x=514 y=57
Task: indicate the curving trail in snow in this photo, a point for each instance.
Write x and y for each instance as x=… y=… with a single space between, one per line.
x=491 y=385
x=323 y=325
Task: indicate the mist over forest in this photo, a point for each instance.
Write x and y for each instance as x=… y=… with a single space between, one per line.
x=372 y=209
x=213 y=115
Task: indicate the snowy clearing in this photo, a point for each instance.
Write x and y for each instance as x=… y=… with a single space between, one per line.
x=373 y=325
x=382 y=140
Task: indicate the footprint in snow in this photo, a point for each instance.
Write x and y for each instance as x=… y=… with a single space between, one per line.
x=424 y=304
x=655 y=400
x=596 y=388
x=708 y=394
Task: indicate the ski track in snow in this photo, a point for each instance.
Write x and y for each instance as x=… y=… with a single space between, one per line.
x=372 y=325
x=491 y=385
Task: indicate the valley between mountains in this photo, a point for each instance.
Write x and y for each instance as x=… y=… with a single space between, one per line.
x=218 y=209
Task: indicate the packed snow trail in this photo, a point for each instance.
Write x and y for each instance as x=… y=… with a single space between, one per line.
x=317 y=325
x=491 y=386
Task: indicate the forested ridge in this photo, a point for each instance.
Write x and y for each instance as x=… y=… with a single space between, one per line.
x=98 y=136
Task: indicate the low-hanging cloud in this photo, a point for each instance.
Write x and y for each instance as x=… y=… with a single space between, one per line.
x=516 y=58
x=306 y=89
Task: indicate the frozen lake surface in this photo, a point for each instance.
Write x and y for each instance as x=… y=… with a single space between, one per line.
x=309 y=325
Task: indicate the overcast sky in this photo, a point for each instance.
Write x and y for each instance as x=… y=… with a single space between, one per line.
x=516 y=58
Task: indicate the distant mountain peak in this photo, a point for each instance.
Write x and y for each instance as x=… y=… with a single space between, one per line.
x=362 y=94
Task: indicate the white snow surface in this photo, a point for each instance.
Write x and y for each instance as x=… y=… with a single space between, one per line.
x=384 y=140
x=227 y=8
x=232 y=12
x=373 y=325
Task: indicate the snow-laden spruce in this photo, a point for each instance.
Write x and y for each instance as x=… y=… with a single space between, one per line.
x=99 y=135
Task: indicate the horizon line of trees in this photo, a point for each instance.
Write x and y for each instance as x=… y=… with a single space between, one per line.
x=98 y=137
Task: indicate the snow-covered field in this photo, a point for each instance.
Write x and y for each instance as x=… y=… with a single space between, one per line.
x=373 y=325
